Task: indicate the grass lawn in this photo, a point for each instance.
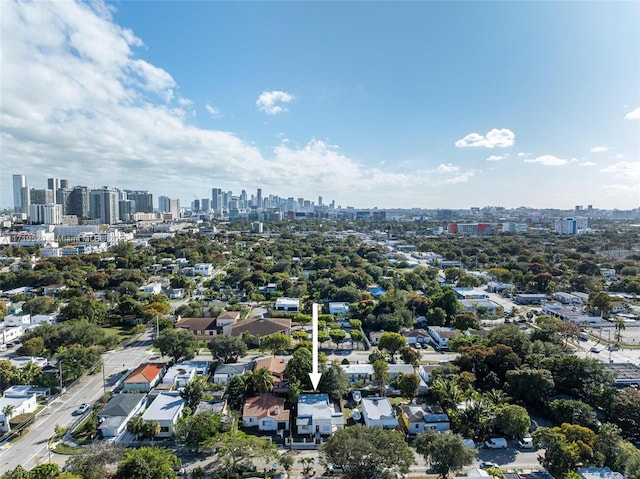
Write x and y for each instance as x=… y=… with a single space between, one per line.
x=63 y=448
x=119 y=331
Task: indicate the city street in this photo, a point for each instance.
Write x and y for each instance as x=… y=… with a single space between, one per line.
x=32 y=448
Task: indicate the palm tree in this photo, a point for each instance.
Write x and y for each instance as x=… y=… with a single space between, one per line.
x=8 y=412
x=135 y=426
x=620 y=326
x=261 y=380
x=29 y=373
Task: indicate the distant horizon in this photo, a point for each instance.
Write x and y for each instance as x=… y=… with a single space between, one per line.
x=327 y=201
x=383 y=104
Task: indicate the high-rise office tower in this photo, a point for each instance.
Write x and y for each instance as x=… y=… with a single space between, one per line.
x=103 y=204
x=319 y=200
x=143 y=200
x=53 y=183
x=205 y=204
x=19 y=182
x=77 y=202
x=195 y=205
x=259 y=199
x=216 y=200
x=42 y=197
x=164 y=204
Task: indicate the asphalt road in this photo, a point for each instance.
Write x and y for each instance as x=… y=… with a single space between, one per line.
x=32 y=448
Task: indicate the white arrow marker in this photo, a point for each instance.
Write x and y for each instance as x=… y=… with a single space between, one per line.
x=314 y=374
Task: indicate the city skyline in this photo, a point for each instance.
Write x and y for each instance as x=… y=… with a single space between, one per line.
x=419 y=104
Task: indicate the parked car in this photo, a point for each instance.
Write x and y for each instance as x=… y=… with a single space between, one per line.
x=614 y=347
x=488 y=464
x=81 y=409
x=594 y=350
x=496 y=443
x=525 y=443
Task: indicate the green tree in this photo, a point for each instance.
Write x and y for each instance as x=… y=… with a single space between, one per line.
x=276 y=343
x=198 y=429
x=410 y=356
x=380 y=375
x=150 y=429
x=260 y=381
x=465 y=320
x=227 y=348
x=334 y=381
x=512 y=421
x=236 y=449
x=574 y=412
x=45 y=471
x=445 y=452
x=408 y=385
x=363 y=452
x=18 y=473
x=299 y=367
x=337 y=336
x=93 y=460
x=533 y=386
x=33 y=347
x=135 y=426
x=236 y=392
x=148 y=463
x=391 y=342
x=177 y=344
x=620 y=326
x=193 y=392
x=84 y=307
x=9 y=374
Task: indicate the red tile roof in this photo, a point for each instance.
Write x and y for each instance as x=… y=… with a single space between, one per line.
x=145 y=373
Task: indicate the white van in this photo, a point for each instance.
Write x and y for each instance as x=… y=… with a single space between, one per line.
x=584 y=336
x=525 y=443
x=496 y=443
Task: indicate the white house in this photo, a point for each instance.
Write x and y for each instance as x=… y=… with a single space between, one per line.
x=316 y=415
x=181 y=373
x=17 y=320
x=440 y=336
x=395 y=370
x=377 y=411
x=152 y=288
x=266 y=412
x=225 y=372
x=358 y=372
x=43 y=319
x=339 y=308
x=203 y=269
x=18 y=402
x=166 y=409
x=421 y=418
x=121 y=407
x=287 y=305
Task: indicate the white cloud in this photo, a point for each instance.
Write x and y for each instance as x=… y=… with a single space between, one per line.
x=521 y=154
x=494 y=139
x=599 y=149
x=587 y=163
x=213 y=111
x=624 y=170
x=271 y=102
x=633 y=115
x=548 y=160
x=496 y=158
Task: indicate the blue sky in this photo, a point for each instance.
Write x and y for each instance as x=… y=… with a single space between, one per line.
x=388 y=104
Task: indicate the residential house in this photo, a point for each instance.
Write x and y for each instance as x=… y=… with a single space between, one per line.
x=21 y=362
x=377 y=411
x=114 y=416
x=15 y=402
x=523 y=298
x=166 y=409
x=151 y=288
x=470 y=293
x=203 y=328
x=287 y=305
x=339 y=308
x=317 y=415
x=416 y=336
x=599 y=473
x=275 y=365
x=226 y=320
x=440 y=336
x=176 y=293
x=144 y=377
x=420 y=418
x=266 y=412
x=482 y=307
x=358 y=373
x=396 y=370
x=260 y=328
x=181 y=373
x=225 y=372
x=374 y=336
x=53 y=289
x=203 y=269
